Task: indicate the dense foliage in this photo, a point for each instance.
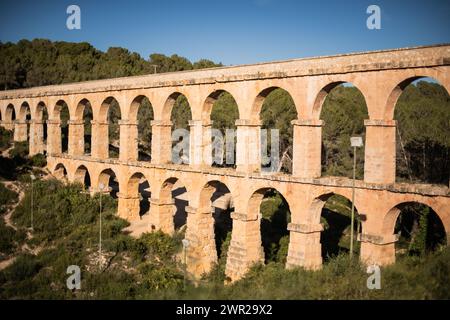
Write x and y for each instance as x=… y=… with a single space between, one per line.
x=43 y=62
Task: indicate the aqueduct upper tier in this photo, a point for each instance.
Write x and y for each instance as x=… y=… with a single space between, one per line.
x=381 y=77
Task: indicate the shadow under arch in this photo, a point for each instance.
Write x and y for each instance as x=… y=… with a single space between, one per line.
x=419 y=228
x=83 y=177
x=216 y=197
x=333 y=211
x=271 y=208
x=10 y=113
x=174 y=191
x=109 y=180
x=60 y=172
x=138 y=186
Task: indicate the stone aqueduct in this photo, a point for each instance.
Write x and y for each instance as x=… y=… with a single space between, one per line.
x=380 y=76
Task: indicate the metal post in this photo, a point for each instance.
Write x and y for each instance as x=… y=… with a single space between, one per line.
x=353 y=202
x=185 y=243
x=32 y=200
x=100 y=233
x=185 y=269
x=32 y=205
x=355 y=142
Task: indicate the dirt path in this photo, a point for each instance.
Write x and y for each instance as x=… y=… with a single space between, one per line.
x=14 y=185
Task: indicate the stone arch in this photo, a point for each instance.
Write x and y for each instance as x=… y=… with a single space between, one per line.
x=328 y=109
x=392 y=217
x=84 y=114
x=79 y=109
x=267 y=118
x=41 y=111
x=22 y=123
x=259 y=101
x=273 y=235
x=82 y=175
x=173 y=199
x=10 y=113
x=219 y=124
x=58 y=108
x=61 y=116
x=60 y=171
x=40 y=127
x=104 y=109
x=398 y=89
x=321 y=96
x=211 y=99
x=110 y=182
x=201 y=230
x=24 y=112
x=142 y=113
x=332 y=234
x=134 y=107
x=179 y=111
x=138 y=194
x=170 y=102
x=420 y=108
x=105 y=116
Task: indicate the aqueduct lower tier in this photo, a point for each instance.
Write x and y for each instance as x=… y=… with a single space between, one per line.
x=380 y=76
x=380 y=204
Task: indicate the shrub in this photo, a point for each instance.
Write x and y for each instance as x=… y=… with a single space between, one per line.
x=5 y=138
x=20 y=151
x=7 y=197
x=38 y=160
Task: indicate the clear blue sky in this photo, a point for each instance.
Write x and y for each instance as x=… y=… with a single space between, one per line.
x=231 y=31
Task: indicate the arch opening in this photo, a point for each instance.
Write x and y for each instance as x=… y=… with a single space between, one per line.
x=174 y=191
x=83 y=177
x=62 y=114
x=419 y=229
x=142 y=112
x=275 y=216
x=422 y=112
x=216 y=198
x=139 y=186
x=335 y=217
x=60 y=172
x=343 y=109
x=84 y=113
x=42 y=116
x=180 y=116
x=222 y=109
x=10 y=113
x=110 y=111
x=22 y=129
x=110 y=183
x=276 y=110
